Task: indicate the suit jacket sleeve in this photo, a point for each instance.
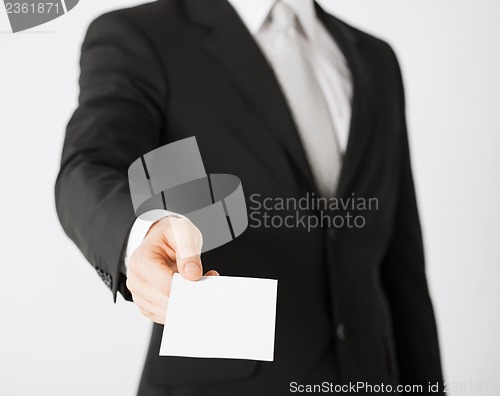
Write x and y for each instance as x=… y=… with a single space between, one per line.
x=404 y=279
x=118 y=119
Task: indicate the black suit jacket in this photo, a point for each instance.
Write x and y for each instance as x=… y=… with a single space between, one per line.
x=353 y=303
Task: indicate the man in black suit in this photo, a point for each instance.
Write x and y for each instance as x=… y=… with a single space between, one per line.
x=298 y=105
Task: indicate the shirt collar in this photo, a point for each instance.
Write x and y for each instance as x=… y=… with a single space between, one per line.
x=255 y=12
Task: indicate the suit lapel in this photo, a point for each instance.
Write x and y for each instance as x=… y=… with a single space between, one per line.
x=232 y=47
x=363 y=103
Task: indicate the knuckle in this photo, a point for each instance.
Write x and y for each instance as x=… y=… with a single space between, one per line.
x=134 y=261
x=130 y=283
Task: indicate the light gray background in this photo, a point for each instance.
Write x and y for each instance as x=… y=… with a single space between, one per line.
x=60 y=333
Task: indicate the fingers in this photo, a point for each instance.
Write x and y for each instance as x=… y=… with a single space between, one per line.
x=212 y=273
x=148 y=265
x=154 y=310
x=146 y=291
x=187 y=241
x=149 y=280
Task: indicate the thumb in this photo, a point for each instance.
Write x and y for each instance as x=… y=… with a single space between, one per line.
x=187 y=241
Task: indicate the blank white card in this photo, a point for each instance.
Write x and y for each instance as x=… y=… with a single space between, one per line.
x=221 y=317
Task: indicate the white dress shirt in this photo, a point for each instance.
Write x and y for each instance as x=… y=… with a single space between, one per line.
x=327 y=60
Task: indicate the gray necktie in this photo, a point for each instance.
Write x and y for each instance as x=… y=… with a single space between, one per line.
x=290 y=60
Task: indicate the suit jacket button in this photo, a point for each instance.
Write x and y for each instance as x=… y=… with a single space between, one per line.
x=340 y=332
x=331 y=233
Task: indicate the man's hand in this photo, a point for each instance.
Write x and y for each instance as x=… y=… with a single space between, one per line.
x=172 y=245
